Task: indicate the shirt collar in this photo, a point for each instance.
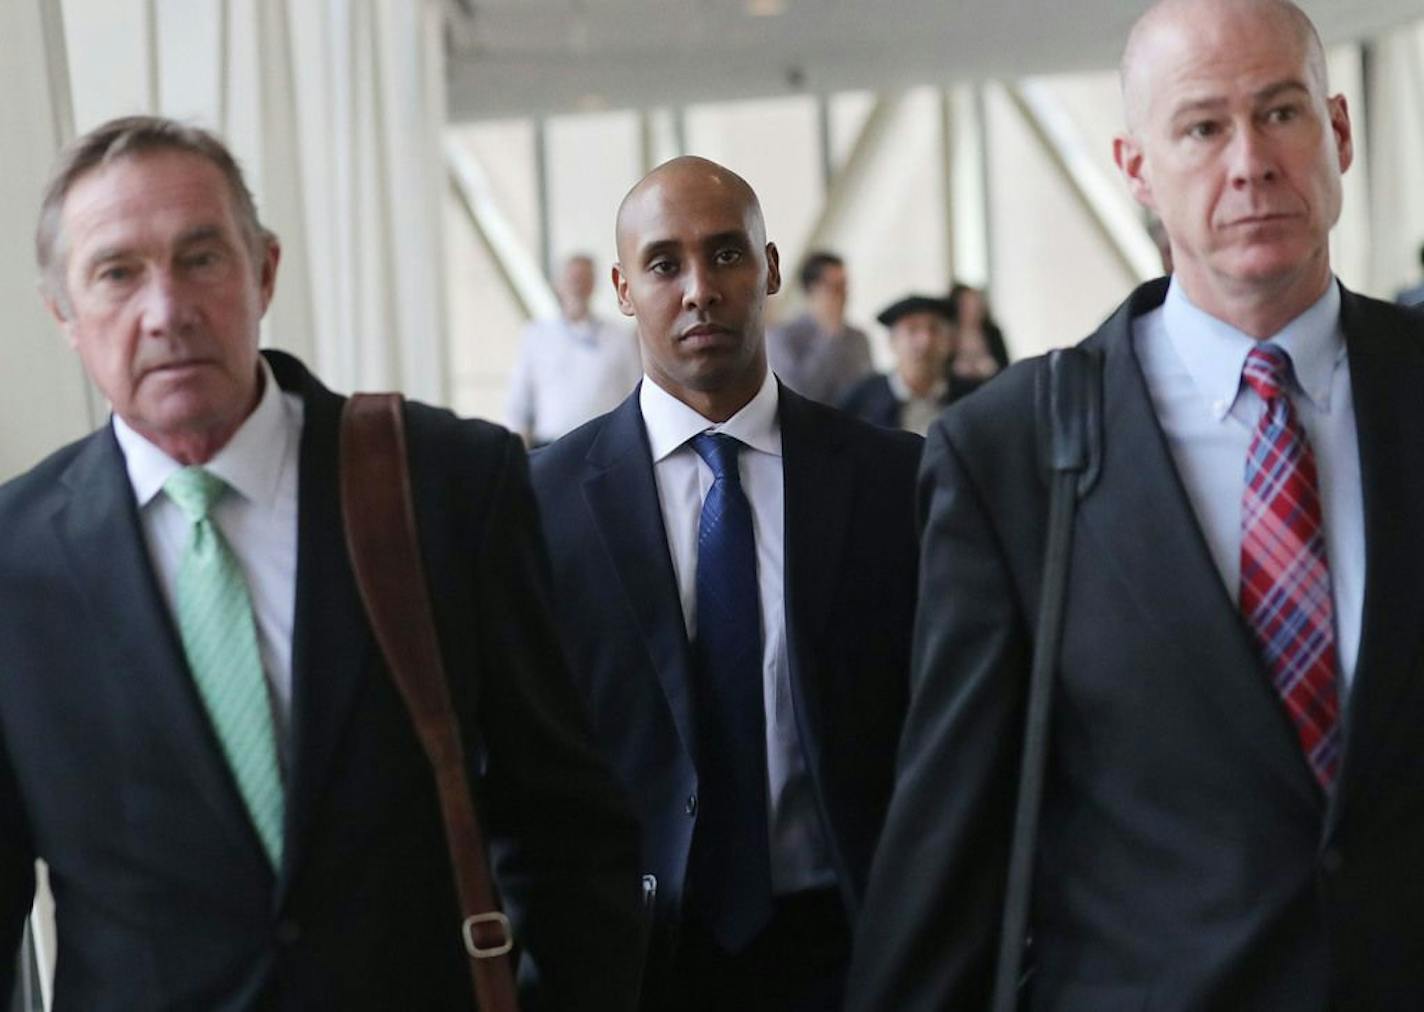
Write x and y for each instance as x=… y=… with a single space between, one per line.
x=671 y=423
x=1214 y=352
x=250 y=462
x=904 y=395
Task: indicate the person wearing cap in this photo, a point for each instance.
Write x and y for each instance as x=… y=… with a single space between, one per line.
x=910 y=396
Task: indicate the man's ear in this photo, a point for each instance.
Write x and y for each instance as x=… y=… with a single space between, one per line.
x=57 y=309
x=1127 y=152
x=267 y=269
x=773 y=269
x=1340 y=126
x=620 y=287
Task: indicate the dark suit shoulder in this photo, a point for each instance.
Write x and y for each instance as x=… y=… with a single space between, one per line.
x=568 y=452
x=39 y=491
x=460 y=466
x=871 y=398
x=822 y=421
x=1373 y=326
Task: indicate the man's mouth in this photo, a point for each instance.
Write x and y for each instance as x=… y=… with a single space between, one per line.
x=704 y=334
x=1263 y=218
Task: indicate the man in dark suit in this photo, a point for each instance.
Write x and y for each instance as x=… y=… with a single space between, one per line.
x=734 y=567
x=920 y=386
x=1232 y=814
x=200 y=738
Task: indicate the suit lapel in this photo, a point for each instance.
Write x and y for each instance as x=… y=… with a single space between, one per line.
x=1386 y=375
x=331 y=641
x=102 y=542
x=622 y=495
x=1139 y=522
x=819 y=492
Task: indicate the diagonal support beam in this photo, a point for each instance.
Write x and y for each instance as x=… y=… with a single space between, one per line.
x=1112 y=212
x=517 y=267
x=848 y=184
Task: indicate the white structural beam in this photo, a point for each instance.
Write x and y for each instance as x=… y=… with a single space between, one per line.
x=1111 y=210
x=46 y=399
x=849 y=183
x=516 y=265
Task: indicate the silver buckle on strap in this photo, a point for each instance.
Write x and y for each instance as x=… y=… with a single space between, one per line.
x=489 y=952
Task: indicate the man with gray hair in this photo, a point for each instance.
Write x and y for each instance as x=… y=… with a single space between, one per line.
x=198 y=733
x=1231 y=816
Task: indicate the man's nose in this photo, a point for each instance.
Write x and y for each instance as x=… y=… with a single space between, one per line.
x=700 y=289
x=1252 y=158
x=166 y=308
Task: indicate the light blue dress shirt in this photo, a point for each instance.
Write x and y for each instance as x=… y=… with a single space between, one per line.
x=1192 y=363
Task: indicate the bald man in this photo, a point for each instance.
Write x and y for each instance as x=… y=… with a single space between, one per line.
x=735 y=567
x=1233 y=814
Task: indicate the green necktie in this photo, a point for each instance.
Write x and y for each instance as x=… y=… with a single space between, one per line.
x=220 y=639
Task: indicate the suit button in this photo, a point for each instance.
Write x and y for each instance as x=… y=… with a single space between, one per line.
x=691 y=807
x=1332 y=860
x=288 y=932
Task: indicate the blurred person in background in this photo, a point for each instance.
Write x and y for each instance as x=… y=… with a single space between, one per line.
x=1413 y=296
x=912 y=394
x=818 y=354
x=981 y=351
x=572 y=367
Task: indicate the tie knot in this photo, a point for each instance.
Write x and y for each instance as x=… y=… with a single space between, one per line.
x=1267 y=370
x=719 y=452
x=194 y=491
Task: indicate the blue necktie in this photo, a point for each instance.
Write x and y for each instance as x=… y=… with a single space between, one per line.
x=731 y=864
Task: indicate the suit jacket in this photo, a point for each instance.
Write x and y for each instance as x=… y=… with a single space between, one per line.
x=1187 y=859
x=850 y=558
x=110 y=770
x=872 y=400
x=817 y=365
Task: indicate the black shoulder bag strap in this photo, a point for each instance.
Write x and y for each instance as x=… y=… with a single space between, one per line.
x=1068 y=391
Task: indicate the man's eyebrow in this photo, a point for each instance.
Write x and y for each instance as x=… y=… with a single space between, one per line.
x=103 y=255
x=735 y=236
x=652 y=249
x=1279 y=88
x=199 y=233
x=1216 y=103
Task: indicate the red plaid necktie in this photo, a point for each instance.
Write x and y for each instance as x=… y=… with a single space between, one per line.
x=1285 y=583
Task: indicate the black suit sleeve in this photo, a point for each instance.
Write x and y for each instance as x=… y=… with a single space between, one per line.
x=562 y=840
x=17 y=877
x=928 y=933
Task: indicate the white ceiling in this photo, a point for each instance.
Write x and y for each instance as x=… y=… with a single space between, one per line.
x=522 y=57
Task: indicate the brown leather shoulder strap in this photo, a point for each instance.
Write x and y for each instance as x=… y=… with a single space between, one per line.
x=384 y=546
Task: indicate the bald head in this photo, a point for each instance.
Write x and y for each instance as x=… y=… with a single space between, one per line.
x=684 y=178
x=694 y=271
x=1169 y=27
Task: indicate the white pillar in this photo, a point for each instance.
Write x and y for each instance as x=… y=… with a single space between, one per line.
x=45 y=401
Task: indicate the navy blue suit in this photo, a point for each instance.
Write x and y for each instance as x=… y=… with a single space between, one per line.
x=850 y=561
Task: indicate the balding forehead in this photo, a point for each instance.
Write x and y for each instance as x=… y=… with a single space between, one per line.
x=690 y=178
x=1169 y=15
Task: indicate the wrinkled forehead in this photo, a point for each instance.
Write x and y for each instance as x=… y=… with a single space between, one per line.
x=1184 y=51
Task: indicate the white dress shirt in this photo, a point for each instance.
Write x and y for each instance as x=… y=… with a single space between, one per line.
x=258 y=517
x=799 y=859
x=917 y=413
x=1192 y=363
x=570 y=372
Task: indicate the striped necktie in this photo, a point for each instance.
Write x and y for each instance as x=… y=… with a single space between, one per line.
x=1285 y=583
x=220 y=640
